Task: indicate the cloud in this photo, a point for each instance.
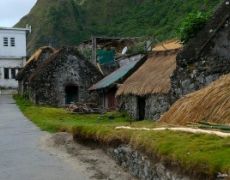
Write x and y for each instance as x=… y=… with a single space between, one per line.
x=11 y=11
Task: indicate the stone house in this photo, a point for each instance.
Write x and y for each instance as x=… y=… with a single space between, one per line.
x=146 y=93
x=12 y=56
x=31 y=65
x=205 y=57
x=107 y=87
x=63 y=78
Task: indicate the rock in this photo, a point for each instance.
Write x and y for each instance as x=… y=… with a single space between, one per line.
x=140 y=166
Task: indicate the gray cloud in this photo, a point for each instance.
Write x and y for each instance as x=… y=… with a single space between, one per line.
x=11 y=11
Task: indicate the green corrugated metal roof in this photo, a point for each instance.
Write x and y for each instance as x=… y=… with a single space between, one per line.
x=115 y=76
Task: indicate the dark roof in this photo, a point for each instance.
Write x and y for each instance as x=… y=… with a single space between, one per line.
x=119 y=75
x=34 y=61
x=59 y=57
x=103 y=39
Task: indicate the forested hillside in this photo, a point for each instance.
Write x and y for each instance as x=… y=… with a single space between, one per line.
x=69 y=22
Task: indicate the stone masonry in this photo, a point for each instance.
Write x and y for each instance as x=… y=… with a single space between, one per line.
x=64 y=68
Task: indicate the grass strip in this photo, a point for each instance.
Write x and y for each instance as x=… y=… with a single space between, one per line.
x=196 y=153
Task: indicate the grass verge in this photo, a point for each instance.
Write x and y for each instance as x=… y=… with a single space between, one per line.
x=201 y=154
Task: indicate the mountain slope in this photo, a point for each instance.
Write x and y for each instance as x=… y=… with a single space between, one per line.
x=69 y=22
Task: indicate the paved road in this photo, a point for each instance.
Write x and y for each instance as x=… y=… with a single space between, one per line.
x=20 y=155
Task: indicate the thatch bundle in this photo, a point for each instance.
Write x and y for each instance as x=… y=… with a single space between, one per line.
x=38 y=53
x=168 y=45
x=210 y=104
x=152 y=77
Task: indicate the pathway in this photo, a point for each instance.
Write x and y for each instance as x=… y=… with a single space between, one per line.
x=21 y=158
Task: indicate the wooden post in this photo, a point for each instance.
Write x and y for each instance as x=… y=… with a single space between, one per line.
x=94 y=50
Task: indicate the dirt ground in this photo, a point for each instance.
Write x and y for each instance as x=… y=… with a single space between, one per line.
x=88 y=159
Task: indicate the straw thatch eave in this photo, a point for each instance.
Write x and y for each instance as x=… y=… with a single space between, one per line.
x=152 y=77
x=58 y=57
x=210 y=104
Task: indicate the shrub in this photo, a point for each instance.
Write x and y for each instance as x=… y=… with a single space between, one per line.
x=191 y=25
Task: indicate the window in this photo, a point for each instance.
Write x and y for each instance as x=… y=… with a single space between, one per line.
x=6 y=73
x=12 y=41
x=13 y=73
x=5 y=41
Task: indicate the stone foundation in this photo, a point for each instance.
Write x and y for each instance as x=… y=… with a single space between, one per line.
x=140 y=166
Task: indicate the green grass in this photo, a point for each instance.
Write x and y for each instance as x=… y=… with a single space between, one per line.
x=196 y=153
x=58 y=119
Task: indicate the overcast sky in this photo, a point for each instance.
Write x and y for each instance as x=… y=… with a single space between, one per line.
x=11 y=11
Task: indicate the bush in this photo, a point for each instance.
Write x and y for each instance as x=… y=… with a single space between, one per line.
x=191 y=25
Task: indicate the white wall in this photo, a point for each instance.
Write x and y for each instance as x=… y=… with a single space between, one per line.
x=19 y=50
x=7 y=63
x=12 y=57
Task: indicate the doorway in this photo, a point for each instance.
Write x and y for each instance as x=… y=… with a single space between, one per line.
x=111 y=102
x=141 y=107
x=71 y=94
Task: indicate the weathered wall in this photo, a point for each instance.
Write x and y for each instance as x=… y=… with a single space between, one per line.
x=198 y=66
x=66 y=68
x=156 y=105
x=30 y=67
x=11 y=64
x=140 y=166
x=129 y=104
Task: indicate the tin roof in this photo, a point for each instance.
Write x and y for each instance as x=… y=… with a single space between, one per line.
x=120 y=74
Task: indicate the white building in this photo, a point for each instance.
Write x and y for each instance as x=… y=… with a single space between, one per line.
x=12 y=55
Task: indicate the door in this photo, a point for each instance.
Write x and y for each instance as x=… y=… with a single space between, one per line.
x=71 y=94
x=111 y=99
x=141 y=107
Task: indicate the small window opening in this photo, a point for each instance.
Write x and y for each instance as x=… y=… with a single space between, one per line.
x=5 y=41
x=13 y=73
x=6 y=73
x=12 y=42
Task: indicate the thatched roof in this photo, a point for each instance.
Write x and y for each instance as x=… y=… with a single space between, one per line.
x=37 y=58
x=152 y=77
x=211 y=104
x=57 y=59
x=38 y=53
x=168 y=45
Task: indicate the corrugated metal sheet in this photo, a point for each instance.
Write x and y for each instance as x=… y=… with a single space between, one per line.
x=115 y=76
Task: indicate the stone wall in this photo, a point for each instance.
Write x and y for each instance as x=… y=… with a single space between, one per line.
x=204 y=59
x=37 y=59
x=63 y=69
x=129 y=104
x=156 y=105
x=140 y=165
